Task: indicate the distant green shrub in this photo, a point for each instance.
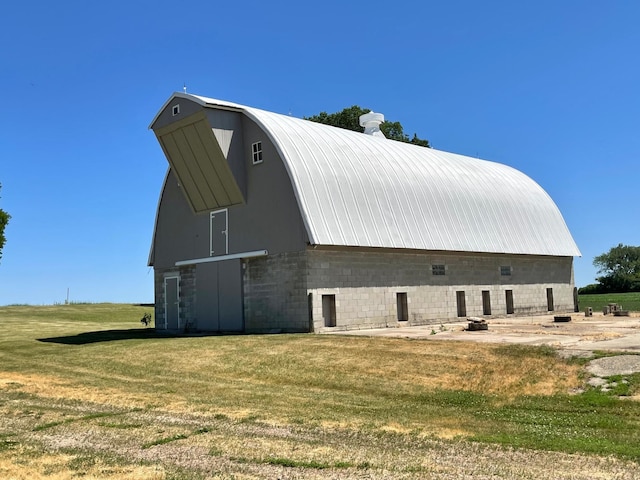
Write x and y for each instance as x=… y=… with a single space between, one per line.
x=591 y=289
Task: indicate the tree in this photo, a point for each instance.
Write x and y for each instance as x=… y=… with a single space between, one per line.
x=349 y=118
x=620 y=267
x=4 y=219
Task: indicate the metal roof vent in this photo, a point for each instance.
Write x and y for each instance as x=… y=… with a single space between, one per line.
x=371 y=122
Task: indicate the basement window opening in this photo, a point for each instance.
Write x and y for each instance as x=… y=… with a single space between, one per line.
x=403 y=310
x=486 y=302
x=509 y=301
x=256 y=152
x=329 y=310
x=550 y=299
x=461 y=303
x=438 y=269
x=175 y=110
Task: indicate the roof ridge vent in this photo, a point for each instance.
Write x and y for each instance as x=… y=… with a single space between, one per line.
x=371 y=122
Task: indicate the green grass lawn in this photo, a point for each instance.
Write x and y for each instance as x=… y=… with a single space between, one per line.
x=629 y=301
x=78 y=370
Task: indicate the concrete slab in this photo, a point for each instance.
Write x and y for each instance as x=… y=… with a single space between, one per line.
x=599 y=332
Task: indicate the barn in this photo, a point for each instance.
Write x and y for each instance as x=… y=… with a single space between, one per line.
x=271 y=223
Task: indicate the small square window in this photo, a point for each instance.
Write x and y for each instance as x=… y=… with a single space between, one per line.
x=438 y=269
x=505 y=270
x=256 y=152
x=175 y=110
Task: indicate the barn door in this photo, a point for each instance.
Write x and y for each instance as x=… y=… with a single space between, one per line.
x=172 y=303
x=219 y=232
x=219 y=296
x=230 y=304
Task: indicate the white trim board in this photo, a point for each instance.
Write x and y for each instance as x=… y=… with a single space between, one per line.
x=222 y=258
x=225 y=232
x=173 y=276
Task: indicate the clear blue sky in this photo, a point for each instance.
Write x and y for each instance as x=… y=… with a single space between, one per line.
x=548 y=87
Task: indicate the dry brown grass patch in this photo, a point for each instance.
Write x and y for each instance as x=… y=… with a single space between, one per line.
x=476 y=368
x=57 y=388
x=60 y=466
x=599 y=337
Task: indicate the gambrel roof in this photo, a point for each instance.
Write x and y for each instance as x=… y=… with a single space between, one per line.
x=359 y=190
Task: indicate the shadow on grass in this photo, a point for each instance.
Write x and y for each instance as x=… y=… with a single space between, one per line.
x=108 y=336
x=137 y=334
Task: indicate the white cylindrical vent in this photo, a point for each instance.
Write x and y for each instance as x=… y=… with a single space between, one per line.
x=371 y=122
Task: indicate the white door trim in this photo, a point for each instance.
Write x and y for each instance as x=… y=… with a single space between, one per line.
x=225 y=232
x=177 y=278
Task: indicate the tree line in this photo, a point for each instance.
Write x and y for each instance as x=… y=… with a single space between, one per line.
x=619 y=270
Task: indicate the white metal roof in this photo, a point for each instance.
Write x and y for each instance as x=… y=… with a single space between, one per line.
x=358 y=190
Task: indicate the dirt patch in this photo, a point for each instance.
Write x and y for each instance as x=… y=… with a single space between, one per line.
x=600 y=337
x=55 y=388
x=598 y=332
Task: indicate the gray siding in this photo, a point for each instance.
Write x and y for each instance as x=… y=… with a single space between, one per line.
x=166 y=117
x=179 y=234
x=271 y=217
x=212 y=297
x=227 y=128
x=269 y=220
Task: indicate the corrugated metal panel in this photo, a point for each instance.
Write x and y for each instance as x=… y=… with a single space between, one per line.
x=358 y=190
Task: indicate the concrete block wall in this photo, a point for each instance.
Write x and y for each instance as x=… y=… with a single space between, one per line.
x=365 y=285
x=187 y=292
x=284 y=292
x=158 y=295
x=275 y=293
x=188 y=312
